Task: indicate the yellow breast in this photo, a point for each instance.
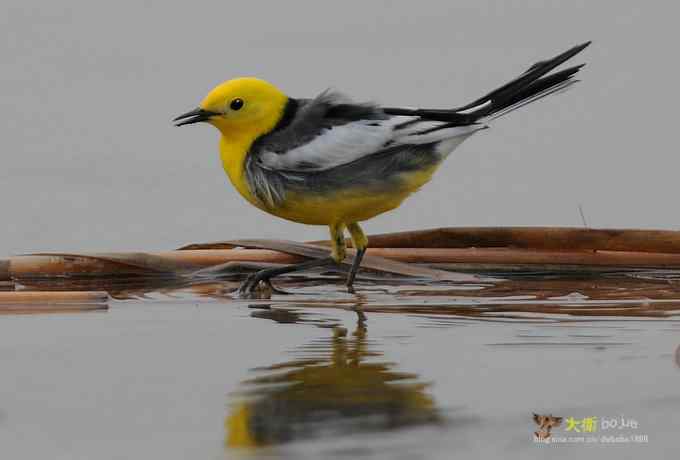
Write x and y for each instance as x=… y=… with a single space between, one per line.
x=233 y=153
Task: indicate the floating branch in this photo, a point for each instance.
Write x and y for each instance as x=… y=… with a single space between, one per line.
x=6 y=285
x=4 y=270
x=373 y=260
x=547 y=238
x=52 y=301
x=71 y=297
x=190 y=261
x=536 y=248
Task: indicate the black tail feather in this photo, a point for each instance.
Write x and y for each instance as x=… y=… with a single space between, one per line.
x=536 y=87
x=532 y=83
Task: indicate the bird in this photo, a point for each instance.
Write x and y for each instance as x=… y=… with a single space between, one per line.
x=328 y=160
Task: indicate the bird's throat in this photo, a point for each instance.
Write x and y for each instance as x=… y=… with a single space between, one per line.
x=233 y=152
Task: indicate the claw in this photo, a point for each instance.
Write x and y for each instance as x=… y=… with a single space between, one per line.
x=255 y=291
x=251 y=288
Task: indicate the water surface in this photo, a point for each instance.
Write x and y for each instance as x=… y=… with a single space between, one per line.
x=399 y=370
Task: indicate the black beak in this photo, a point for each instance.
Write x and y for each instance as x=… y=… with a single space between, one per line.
x=194 y=116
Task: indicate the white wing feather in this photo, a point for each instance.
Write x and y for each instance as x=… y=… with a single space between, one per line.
x=346 y=143
x=335 y=146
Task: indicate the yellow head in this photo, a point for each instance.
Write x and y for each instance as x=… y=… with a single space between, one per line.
x=242 y=106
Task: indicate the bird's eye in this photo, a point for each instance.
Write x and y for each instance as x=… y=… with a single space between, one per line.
x=236 y=104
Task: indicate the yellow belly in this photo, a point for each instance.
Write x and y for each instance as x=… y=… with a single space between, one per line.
x=340 y=207
x=344 y=206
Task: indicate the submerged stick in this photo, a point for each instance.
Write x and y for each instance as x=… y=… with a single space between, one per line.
x=24 y=309
x=29 y=302
x=53 y=297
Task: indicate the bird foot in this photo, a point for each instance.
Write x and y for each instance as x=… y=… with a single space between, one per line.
x=257 y=288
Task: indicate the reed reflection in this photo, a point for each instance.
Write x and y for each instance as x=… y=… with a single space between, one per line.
x=338 y=386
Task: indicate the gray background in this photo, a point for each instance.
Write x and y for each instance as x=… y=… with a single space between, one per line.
x=90 y=160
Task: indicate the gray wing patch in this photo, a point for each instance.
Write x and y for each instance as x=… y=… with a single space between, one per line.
x=330 y=141
x=334 y=146
x=325 y=132
x=371 y=174
x=312 y=118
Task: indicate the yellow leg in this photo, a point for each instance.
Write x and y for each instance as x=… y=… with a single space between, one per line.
x=360 y=243
x=339 y=250
x=359 y=240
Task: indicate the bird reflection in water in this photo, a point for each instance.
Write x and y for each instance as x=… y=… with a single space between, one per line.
x=337 y=388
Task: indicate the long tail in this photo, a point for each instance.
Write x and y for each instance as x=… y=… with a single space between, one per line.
x=530 y=86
